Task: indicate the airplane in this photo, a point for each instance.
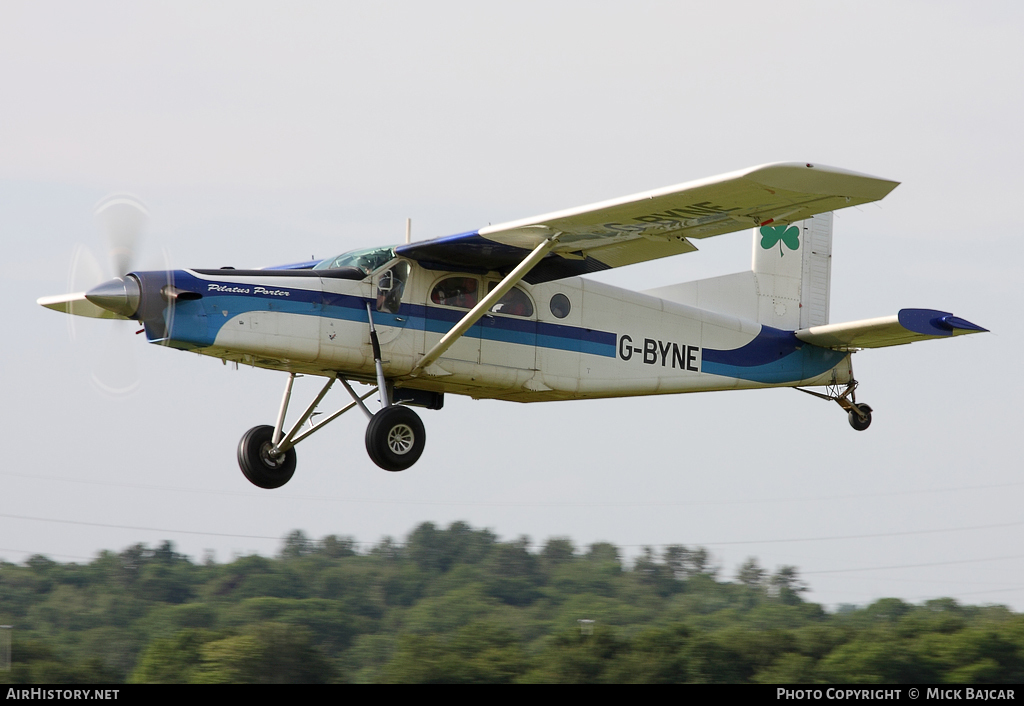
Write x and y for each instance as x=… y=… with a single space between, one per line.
x=506 y=311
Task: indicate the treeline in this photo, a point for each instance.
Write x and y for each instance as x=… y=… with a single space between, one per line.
x=457 y=605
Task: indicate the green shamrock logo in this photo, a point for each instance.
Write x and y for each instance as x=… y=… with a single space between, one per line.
x=770 y=235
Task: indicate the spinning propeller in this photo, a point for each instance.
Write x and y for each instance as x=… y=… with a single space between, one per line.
x=108 y=293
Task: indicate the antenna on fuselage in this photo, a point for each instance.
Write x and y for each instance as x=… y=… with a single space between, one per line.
x=408 y=231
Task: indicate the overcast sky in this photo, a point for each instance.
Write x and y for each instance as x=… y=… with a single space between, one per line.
x=262 y=133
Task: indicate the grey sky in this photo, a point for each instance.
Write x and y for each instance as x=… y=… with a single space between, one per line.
x=262 y=133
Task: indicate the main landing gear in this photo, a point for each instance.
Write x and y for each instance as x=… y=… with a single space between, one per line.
x=859 y=415
x=259 y=464
x=395 y=436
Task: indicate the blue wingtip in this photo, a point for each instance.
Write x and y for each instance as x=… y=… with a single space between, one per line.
x=955 y=323
x=929 y=322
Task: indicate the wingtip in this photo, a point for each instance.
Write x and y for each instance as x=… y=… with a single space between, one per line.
x=936 y=323
x=955 y=324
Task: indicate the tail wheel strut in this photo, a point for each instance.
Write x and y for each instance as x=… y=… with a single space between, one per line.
x=859 y=415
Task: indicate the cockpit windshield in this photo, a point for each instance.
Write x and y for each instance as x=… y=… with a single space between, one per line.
x=366 y=260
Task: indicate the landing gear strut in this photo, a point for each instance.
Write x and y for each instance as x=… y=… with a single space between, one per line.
x=859 y=415
x=395 y=436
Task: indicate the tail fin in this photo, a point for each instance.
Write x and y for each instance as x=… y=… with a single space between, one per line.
x=792 y=268
x=787 y=286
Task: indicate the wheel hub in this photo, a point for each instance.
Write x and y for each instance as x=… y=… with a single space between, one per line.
x=401 y=439
x=269 y=459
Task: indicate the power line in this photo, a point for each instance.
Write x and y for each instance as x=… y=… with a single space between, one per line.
x=136 y=527
x=876 y=535
x=790 y=540
x=489 y=503
x=914 y=566
x=65 y=556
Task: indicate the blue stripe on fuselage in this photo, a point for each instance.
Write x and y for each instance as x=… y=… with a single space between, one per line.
x=774 y=356
x=196 y=323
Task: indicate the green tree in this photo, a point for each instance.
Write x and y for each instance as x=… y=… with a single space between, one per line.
x=577 y=658
x=688 y=563
x=558 y=550
x=513 y=574
x=478 y=653
x=267 y=653
x=336 y=547
x=751 y=574
x=296 y=545
x=174 y=660
x=785 y=584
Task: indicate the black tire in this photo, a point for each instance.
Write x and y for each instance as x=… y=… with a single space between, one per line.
x=257 y=465
x=855 y=420
x=395 y=438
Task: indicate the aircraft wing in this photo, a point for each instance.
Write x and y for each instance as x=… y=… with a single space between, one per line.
x=653 y=224
x=905 y=327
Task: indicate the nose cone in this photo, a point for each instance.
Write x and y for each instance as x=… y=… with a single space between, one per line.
x=120 y=296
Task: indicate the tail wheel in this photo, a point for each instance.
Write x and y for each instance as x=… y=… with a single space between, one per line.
x=858 y=422
x=395 y=438
x=259 y=466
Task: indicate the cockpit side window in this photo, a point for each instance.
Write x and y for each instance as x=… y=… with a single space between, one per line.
x=462 y=292
x=390 y=286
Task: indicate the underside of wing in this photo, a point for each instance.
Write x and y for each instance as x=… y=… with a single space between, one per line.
x=654 y=224
x=908 y=326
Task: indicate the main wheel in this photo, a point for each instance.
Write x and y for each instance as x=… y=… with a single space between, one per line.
x=258 y=465
x=395 y=438
x=855 y=419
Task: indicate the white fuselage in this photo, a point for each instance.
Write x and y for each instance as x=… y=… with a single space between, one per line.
x=608 y=341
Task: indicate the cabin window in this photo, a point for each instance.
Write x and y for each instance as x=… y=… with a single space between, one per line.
x=390 y=286
x=462 y=292
x=560 y=306
x=516 y=302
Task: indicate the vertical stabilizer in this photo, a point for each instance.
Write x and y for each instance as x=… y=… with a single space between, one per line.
x=792 y=269
x=787 y=286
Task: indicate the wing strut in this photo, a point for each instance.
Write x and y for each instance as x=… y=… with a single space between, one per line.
x=485 y=304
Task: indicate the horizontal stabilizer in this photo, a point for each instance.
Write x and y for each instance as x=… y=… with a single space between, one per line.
x=78 y=305
x=905 y=327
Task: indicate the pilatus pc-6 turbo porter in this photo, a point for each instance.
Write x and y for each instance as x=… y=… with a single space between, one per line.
x=506 y=312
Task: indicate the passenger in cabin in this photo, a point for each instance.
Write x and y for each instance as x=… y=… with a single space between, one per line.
x=455 y=291
x=514 y=303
